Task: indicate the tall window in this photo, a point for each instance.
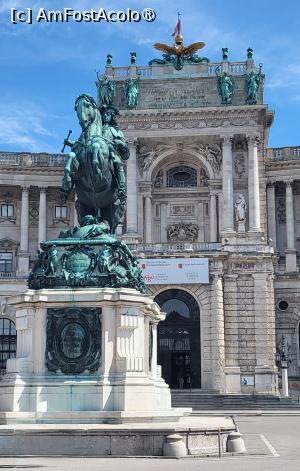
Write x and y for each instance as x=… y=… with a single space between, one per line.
x=182 y=177
x=7 y=210
x=8 y=342
x=61 y=212
x=6 y=262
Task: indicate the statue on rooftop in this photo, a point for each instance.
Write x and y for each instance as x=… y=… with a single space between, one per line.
x=225 y=87
x=179 y=54
x=252 y=82
x=131 y=89
x=107 y=90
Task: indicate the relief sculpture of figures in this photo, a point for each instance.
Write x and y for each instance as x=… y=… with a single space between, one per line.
x=225 y=87
x=131 y=89
x=252 y=81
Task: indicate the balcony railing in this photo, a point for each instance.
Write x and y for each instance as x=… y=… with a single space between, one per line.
x=32 y=159
x=284 y=153
x=145 y=72
x=176 y=247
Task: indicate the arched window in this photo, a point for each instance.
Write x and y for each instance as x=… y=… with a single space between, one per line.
x=8 y=342
x=179 y=339
x=182 y=177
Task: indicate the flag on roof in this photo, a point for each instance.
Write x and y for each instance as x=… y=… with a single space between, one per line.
x=177 y=30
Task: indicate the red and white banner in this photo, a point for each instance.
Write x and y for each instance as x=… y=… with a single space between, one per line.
x=176 y=271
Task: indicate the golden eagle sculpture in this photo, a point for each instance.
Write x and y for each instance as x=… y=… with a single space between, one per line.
x=179 y=53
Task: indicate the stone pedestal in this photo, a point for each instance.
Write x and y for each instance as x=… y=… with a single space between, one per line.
x=86 y=350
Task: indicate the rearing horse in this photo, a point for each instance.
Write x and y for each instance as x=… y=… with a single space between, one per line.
x=90 y=169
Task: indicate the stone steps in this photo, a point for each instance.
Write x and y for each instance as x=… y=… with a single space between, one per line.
x=203 y=401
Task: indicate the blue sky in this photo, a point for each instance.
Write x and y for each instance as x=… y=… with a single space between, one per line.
x=45 y=66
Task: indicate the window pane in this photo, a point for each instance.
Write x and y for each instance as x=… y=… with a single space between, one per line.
x=182 y=176
x=61 y=212
x=7 y=210
x=8 y=341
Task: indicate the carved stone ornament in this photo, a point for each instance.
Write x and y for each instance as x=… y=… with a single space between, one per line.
x=240 y=165
x=159 y=180
x=203 y=177
x=73 y=344
x=147 y=155
x=182 y=232
x=211 y=152
x=281 y=210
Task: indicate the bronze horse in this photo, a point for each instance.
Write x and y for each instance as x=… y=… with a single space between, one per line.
x=90 y=168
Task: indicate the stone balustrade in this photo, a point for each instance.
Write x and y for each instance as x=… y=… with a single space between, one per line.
x=145 y=72
x=283 y=153
x=176 y=247
x=32 y=159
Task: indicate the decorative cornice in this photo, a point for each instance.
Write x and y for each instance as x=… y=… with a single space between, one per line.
x=189 y=118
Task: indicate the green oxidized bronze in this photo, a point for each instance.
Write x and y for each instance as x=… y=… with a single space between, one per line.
x=90 y=255
x=106 y=87
x=179 y=54
x=132 y=58
x=252 y=82
x=73 y=343
x=131 y=89
x=225 y=87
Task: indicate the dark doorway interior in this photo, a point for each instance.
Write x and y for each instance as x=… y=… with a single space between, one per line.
x=179 y=339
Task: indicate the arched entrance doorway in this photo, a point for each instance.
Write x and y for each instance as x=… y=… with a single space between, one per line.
x=179 y=339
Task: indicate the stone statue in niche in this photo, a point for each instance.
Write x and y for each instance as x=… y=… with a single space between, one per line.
x=182 y=232
x=240 y=206
x=203 y=177
x=158 y=182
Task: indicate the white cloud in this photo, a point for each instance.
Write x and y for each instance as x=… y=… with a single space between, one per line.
x=22 y=125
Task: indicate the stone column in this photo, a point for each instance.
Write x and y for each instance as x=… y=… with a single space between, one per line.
x=217 y=334
x=131 y=206
x=271 y=213
x=231 y=328
x=264 y=339
x=227 y=184
x=253 y=185
x=23 y=261
x=213 y=218
x=290 y=259
x=163 y=222
x=42 y=215
x=148 y=219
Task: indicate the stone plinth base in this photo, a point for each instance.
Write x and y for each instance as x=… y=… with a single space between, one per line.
x=86 y=350
x=200 y=437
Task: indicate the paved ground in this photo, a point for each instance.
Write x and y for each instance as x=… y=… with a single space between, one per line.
x=272 y=443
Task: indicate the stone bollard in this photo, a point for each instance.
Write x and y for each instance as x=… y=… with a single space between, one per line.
x=174 y=446
x=235 y=443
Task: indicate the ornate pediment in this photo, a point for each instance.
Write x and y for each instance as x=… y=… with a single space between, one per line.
x=8 y=243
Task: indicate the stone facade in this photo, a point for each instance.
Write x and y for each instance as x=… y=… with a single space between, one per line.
x=190 y=157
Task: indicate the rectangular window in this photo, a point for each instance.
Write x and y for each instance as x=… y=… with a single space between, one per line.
x=7 y=210
x=6 y=262
x=61 y=212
